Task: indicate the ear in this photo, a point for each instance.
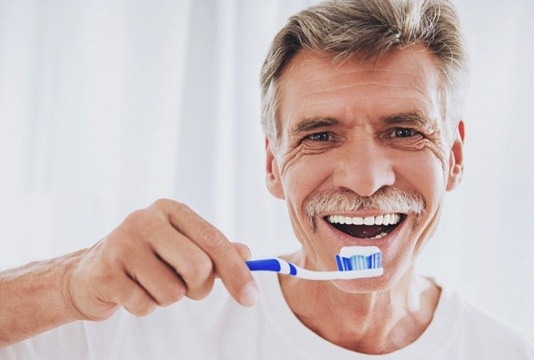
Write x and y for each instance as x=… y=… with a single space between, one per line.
x=274 y=182
x=456 y=165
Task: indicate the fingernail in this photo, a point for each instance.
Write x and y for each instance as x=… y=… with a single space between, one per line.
x=245 y=253
x=249 y=295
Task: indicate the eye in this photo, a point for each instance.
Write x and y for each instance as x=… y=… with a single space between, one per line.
x=320 y=137
x=403 y=133
x=315 y=143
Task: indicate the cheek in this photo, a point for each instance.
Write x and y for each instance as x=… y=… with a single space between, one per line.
x=440 y=157
x=303 y=174
x=424 y=171
x=425 y=175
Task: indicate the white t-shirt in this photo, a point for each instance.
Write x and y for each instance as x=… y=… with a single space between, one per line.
x=218 y=328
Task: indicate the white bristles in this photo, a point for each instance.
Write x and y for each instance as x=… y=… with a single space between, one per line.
x=337 y=275
x=349 y=251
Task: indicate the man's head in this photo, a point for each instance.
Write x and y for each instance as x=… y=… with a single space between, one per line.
x=369 y=29
x=362 y=141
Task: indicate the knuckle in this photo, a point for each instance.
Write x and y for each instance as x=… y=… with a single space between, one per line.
x=142 y=225
x=139 y=304
x=201 y=292
x=144 y=309
x=180 y=206
x=117 y=246
x=167 y=209
x=212 y=239
x=137 y=223
x=192 y=278
x=161 y=203
x=201 y=268
x=174 y=293
x=177 y=210
x=166 y=204
x=136 y=218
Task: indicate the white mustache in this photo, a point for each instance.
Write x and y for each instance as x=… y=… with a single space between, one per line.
x=387 y=200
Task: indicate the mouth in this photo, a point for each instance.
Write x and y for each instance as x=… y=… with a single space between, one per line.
x=369 y=227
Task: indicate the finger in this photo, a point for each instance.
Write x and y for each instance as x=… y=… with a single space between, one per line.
x=156 y=277
x=129 y=294
x=227 y=262
x=243 y=250
x=189 y=261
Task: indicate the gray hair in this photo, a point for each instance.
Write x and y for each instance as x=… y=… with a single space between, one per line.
x=369 y=28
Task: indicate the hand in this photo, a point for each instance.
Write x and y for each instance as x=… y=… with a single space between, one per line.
x=154 y=258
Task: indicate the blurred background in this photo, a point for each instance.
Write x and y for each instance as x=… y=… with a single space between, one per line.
x=106 y=106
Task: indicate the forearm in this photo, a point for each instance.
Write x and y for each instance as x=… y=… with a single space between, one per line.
x=34 y=298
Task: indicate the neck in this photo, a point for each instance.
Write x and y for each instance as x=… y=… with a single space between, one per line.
x=372 y=323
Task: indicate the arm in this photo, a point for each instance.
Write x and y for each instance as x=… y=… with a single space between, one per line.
x=32 y=299
x=154 y=258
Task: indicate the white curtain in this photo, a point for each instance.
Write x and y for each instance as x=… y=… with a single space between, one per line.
x=106 y=106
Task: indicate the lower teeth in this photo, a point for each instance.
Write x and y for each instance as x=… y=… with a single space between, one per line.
x=379 y=236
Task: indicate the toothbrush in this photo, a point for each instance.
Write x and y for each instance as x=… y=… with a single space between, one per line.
x=353 y=262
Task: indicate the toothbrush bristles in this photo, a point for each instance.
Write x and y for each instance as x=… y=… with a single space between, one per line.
x=359 y=262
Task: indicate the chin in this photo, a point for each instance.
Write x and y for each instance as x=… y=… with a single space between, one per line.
x=367 y=285
x=359 y=286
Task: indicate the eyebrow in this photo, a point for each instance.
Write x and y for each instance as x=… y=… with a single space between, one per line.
x=310 y=124
x=409 y=118
x=412 y=118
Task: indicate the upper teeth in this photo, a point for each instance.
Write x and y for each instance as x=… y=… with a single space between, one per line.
x=388 y=219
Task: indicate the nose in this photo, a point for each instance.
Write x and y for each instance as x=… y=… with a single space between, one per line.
x=364 y=167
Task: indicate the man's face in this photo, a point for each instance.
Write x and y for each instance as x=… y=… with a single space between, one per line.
x=363 y=142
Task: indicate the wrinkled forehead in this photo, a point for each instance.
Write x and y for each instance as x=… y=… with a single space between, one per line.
x=405 y=75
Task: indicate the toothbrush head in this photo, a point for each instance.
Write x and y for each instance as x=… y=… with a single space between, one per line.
x=359 y=258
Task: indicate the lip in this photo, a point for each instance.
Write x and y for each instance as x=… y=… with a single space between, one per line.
x=343 y=239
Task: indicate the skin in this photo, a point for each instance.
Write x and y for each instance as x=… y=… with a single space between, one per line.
x=361 y=127
x=154 y=258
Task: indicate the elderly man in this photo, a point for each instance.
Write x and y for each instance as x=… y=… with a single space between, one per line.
x=361 y=111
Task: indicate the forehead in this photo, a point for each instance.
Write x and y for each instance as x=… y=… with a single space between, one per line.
x=403 y=81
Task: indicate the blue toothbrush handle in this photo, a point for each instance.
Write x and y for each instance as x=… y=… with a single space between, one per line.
x=274 y=265
x=264 y=265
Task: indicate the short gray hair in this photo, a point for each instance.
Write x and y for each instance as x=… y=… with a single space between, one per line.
x=369 y=28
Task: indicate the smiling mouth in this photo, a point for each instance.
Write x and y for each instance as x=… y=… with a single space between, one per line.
x=369 y=227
